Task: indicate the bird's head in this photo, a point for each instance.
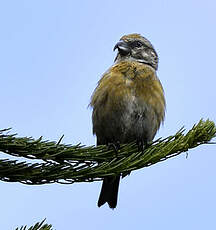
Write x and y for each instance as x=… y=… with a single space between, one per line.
x=134 y=47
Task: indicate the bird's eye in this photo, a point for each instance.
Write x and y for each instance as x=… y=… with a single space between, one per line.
x=136 y=44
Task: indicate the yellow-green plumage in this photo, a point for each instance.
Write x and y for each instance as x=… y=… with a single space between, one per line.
x=123 y=84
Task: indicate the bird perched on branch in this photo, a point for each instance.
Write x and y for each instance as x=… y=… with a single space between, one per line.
x=128 y=103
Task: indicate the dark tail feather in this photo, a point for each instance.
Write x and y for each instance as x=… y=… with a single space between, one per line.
x=109 y=191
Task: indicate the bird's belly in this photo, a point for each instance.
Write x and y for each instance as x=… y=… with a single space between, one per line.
x=130 y=120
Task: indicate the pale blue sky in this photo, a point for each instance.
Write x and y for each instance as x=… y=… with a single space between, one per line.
x=52 y=54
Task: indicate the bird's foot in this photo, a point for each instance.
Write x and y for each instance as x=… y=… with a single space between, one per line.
x=115 y=146
x=142 y=145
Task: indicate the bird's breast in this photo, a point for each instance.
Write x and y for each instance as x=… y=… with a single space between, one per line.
x=124 y=82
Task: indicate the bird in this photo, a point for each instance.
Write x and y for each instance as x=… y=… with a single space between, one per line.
x=128 y=103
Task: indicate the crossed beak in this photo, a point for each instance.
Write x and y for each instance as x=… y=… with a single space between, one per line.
x=123 y=48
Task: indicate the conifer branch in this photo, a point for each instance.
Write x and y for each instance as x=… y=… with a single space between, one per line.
x=37 y=226
x=61 y=163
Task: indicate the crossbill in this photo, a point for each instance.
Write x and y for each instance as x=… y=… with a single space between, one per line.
x=128 y=103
